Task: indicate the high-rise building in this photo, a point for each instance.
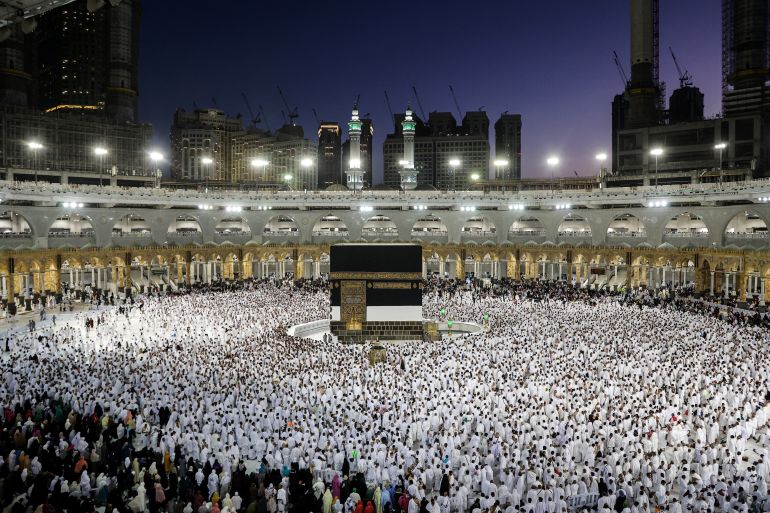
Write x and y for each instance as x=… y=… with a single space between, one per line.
x=508 y=145
x=15 y=70
x=89 y=60
x=745 y=56
x=467 y=146
x=692 y=147
x=329 y=154
x=72 y=85
x=274 y=160
x=201 y=135
x=68 y=142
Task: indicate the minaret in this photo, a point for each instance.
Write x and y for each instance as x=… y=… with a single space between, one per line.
x=355 y=175
x=408 y=172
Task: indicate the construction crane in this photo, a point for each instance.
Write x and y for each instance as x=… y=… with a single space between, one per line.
x=264 y=118
x=685 y=79
x=290 y=113
x=621 y=71
x=419 y=103
x=390 y=109
x=315 y=115
x=255 y=119
x=457 y=105
x=214 y=101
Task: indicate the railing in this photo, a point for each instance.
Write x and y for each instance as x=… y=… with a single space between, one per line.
x=7 y=235
x=281 y=233
x=626 y=235
x=686 y=235
x=377 y=233
x=478 y=233
x=518 y=232
x=574 y=234
x=738 y=235
x=63 y=235
x=331 y=234
x=759 y=187
x=429 y=233
x=186 y=234
x=132 y=234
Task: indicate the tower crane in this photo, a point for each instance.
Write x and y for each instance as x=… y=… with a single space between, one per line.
x=621 y=71
x=685 y=79
x=419 y=103
x=457 y=105
x=390 y=109
x=264 y=118
x=315 y=115
x=290 y=113
x=255 y=119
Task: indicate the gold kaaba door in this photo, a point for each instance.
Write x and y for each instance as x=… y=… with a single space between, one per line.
x=353 y=301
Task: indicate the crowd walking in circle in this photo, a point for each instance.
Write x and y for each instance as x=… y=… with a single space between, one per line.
x=201 y=403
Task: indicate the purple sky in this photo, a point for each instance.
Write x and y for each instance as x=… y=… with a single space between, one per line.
x=550 y=61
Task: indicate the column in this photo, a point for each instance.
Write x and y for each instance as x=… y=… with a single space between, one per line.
x=711 y=285
x=740 y=282
x=441 y=267
x=424 y=268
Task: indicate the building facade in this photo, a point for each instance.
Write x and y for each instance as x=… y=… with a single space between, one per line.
x=508 y=146
x=88 y=60
x=275 y=160
x=329 y=157
x=691 y=144
x=68 y=142
x=467 y=144
x=201 y=135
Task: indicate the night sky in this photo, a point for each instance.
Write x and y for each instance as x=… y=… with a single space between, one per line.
x=550 y=61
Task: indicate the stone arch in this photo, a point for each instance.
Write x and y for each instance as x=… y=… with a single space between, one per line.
x=281 y=225
x=746 y=225
x=527 y=226
x=131 y=225
x=330 y=226
x=185 y=225
x=478 y=226
x=232 y=225
x=574 y=225
x=429 y=225
x=379 y=226
x=685 y=225
x=72 y=224
x=15 y=225
x=626 y=226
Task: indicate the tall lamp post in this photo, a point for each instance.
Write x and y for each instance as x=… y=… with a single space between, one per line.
x=552 y=162
x=207 y=161
x=601 y=158
x=306 y=163
x=454 y=164
x=156 y=157
x=656 y=152
x=34 y=146
x=101 y=153
x=260 y=162
x=287 y=178
x=501 y=163
x=720 y=147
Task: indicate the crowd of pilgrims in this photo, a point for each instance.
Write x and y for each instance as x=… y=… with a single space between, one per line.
x=201 y=403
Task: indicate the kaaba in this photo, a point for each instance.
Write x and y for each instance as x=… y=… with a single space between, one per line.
x=376 y=292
